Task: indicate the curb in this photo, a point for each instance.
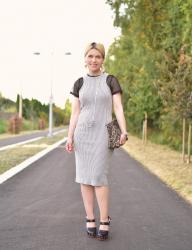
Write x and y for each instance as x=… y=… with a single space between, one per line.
x=14 y=170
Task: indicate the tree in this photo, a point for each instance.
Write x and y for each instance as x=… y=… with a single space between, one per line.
x=67 y=112
x=175 y=87
x=152 y=32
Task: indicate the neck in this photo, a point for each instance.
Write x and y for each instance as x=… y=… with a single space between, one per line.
x=91 y=73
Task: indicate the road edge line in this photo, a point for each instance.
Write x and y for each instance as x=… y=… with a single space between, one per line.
x=18 y=168
x=20 y=143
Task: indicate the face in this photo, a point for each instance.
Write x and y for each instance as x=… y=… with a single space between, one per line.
x=94 y=61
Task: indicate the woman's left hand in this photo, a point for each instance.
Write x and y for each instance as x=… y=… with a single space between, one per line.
x=123 y=138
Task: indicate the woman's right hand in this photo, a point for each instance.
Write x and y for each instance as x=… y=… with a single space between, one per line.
x=69 y=145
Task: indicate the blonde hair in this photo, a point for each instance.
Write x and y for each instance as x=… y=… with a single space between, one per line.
x=97 y=46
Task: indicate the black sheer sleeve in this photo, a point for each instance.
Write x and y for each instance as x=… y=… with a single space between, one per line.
x=114 y=85
x=76 y=87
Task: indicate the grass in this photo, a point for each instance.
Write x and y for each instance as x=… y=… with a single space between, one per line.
x=165 y=163
x=3 y=126
x=12 y=157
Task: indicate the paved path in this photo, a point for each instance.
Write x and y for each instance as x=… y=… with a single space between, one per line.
x=41 y=209
x=21 y=138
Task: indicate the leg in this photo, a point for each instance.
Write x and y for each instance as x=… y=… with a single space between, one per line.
x=102 y=194
x=87 y=192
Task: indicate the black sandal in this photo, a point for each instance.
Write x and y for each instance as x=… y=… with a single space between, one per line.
x=104 y=234
x=91 y=231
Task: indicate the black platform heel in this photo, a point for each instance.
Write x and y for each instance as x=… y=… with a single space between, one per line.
x=91 y=231
x=104 y=234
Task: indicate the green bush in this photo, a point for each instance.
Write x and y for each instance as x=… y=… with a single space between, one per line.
x=159 y=137
x=30 y=125
x=3 y=126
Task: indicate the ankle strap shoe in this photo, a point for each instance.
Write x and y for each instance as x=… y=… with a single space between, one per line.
x=91 y=231
x=104 y=234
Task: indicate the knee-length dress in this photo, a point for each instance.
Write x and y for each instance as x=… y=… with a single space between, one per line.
x=92 y=155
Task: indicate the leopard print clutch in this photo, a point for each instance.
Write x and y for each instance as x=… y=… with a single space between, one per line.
x=114 y=132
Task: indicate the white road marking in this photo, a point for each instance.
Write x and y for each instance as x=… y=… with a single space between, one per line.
x=13 y=171
x=20 y=143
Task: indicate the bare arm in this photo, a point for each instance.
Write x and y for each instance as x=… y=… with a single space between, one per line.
x=74 y=116
x=72 y=124
x=119 y=113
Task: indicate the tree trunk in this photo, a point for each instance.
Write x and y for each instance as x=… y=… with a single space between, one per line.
x=145 y=130
x=143 y=133
x=189 y=145
x=183 y=144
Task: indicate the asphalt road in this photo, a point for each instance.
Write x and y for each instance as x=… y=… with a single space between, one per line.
x=41 y=209
x=21 y=138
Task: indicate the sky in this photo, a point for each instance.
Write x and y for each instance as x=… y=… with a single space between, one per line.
x=52 y=28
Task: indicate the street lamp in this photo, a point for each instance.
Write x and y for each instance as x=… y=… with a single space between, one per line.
x=20 y=104
x=36 y=53
x=50 y=133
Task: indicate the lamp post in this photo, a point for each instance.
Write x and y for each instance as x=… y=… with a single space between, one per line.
x=20 y=105
x=50 y=133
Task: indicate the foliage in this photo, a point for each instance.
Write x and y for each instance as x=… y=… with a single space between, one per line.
x=146 y=60
x=58 y=116
x=67 y=112
x=175 y=86
x=33 y=109
x=3 y=126
x=5 y=103
x=35 y=114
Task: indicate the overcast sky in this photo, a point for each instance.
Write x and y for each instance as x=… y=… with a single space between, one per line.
x=51 y=27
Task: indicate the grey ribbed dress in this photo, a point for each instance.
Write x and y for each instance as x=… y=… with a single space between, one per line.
x=92 y=155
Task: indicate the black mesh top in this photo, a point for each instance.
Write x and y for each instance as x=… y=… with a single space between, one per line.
x=112 y=82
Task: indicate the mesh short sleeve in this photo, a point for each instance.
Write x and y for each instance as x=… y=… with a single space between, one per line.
x=114 y=85
x=76 y=87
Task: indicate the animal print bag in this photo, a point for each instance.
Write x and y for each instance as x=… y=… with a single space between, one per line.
x=114 y=132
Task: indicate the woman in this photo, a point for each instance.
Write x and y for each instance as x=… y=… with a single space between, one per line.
x=94 y=97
